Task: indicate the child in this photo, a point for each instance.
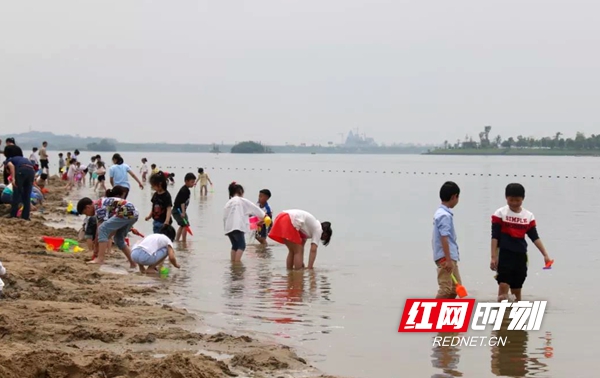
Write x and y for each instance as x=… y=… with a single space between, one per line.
x=34 y=159
x=116 y=217
x=162 y=204
x=71 y=172
x=61 y=164
x=445 y=248
x=91 y=168
x=79 y=174
x=182 y=201
x=152 y=250
x=293 y=228
x=510 y=224
x=154 y=169
x=90 y=227
x=68 y=160
x=204 y=180
x=42 y=181
x=101 y=172
x=262 y=232
x=44 y=163
x=235 y=219
x=170 y=177
x=144 y=169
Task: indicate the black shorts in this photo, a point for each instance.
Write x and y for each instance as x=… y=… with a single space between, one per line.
x=238 y=240
x=512 y=268
x=101 y=178
x=179 y=219
x=44 y=164
x=262 y=233
x=91 y=228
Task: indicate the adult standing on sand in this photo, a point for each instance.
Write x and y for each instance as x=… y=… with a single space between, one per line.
x=119 y=174
x=10 y=150
x=293 y=228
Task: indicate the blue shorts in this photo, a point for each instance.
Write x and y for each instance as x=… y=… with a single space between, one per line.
x=157 y=226
x=238 y=240
x=119 y=226
x=141 y=257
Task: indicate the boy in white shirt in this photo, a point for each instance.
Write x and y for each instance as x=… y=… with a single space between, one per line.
x=152 y=250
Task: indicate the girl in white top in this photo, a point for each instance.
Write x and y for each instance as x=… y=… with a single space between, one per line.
x=293 y=228
x=144 y=169
x=154 y=249
x=236 y=221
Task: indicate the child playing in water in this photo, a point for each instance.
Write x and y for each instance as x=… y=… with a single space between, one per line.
x=144 y=169
x=155 y=170
x=79 y=174
x=235 y=219
x=203 y=179
x=445 y=248
x=510 y=225
x=152 y=250
x=101 y=171
x=116 y=216
x=71 y=172
x=182 y=201
x=162 y=204
x=91 y=168
x=262 y=232
x=61 y=164
x=170 y=177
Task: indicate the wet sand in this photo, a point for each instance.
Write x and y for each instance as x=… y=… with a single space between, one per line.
x=61 y=318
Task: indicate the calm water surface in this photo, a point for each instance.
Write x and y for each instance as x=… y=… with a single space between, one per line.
x=344 y=315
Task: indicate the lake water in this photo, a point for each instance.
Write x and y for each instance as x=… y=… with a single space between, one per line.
x=344 y=315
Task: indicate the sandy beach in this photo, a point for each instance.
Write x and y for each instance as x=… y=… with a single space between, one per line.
x=61 y=318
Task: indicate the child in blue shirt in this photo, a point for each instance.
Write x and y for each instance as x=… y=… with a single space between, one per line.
x=262 y=232
x=445 y=248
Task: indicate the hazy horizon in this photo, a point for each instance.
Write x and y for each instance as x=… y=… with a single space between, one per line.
x=299 y=71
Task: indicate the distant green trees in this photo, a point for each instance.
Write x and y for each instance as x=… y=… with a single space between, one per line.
x=103 y=146
x=250 y=147
x=557 y=141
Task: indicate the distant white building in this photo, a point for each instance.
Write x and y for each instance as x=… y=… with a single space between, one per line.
x=357 y=140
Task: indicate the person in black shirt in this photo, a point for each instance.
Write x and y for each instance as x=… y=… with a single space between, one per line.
x=182 y=202
x=10 y=150
x=162 y=203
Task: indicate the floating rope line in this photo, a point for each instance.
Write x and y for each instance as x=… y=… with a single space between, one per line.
x=423 y=173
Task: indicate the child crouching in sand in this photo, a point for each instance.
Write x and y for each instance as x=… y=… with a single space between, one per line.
x=116 y=216
x=152 y=250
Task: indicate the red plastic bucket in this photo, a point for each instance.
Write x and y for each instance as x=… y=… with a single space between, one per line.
x=52 y=243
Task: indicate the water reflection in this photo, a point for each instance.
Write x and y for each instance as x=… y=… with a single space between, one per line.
x=278 y=299
x=512 y=358
x=234 y=286
x=446 y=358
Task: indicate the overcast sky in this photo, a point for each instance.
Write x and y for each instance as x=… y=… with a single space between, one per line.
x=299 y=70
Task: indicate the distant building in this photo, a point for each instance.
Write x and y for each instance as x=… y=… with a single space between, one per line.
x=357 y=140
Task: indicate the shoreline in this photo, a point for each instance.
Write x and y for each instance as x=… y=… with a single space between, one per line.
x=512 y=152
x=63 y=318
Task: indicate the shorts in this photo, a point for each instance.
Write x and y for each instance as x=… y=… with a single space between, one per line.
x=238 y=240
x=180 y=220
x=119 y=226
x=101 y=178
x=141 y=257
x=157 y=226
x=44 y=163
x=91 y=228
x=445 y=283
x=262 y=232
x=283 y=230
x=512 y=268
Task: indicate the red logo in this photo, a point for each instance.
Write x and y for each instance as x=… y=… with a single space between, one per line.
x=436 y=315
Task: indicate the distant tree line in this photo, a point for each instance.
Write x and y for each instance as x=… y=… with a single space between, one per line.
x=557 y=141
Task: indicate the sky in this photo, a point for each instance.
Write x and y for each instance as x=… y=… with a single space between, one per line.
x=299 y=71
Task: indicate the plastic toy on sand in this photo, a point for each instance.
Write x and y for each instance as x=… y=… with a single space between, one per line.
x=460 y=289
x=70 y=209
x=549 y=264
x=164 y=271
x=52 y=243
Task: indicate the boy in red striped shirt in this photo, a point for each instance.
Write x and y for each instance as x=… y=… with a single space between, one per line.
x=510 y=225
